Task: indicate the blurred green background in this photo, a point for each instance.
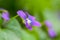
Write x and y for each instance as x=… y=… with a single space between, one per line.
x=41 y=9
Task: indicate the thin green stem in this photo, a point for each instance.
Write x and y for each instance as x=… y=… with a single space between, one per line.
x=14 y=17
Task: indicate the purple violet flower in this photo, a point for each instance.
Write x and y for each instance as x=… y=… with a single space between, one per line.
x=5 y=16
x=51 y=33
x=29 y=20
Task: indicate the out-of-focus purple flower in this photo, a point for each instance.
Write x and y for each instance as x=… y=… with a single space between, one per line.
x=5 y=16
x=51 y=33
x=29 y=20
x=48 y=24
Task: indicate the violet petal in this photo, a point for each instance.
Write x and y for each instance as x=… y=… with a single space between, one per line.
x=21 y=14
x=36 y=23
x=32 y=18
x=28 y=26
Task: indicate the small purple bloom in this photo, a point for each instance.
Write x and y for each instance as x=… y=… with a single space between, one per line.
x=48 y=24
x=51 y=33
x=29 y=20
x=5 y=16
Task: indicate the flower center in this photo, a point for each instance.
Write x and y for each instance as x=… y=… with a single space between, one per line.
x=28 y=21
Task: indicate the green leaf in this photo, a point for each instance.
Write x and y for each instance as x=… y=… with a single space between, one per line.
x=12 y=31
x=8 y=35
x=26 y=36
x=14 y=26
